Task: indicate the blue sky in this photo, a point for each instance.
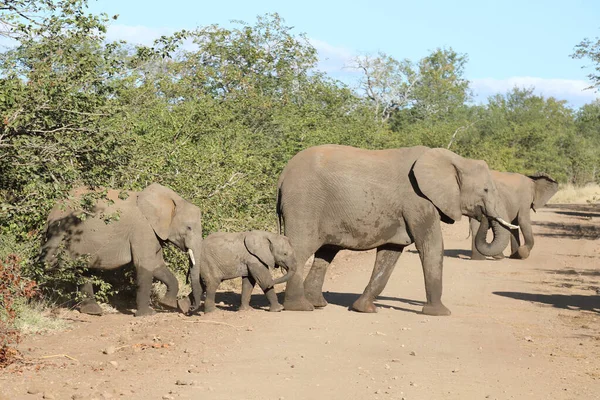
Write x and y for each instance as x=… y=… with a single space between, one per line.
x=524 y=43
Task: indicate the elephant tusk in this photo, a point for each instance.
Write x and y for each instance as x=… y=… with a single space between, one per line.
x=191 y=254
x=503 y=222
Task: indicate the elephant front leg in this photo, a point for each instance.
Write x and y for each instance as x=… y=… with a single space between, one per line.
x=313 y=284
x=525 y=225
x=385 y=261
x=275 y=306
x=144 y=286
x=431 y=251
x=164 y=275
x=88 y=305
x=247 y=288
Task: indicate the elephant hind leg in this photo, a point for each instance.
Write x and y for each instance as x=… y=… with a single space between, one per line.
x=142 y=298
x=295 y=300
x=385 y=261
x=247 y=288
x=313 y=284
x=88 y=305
x=165 y=275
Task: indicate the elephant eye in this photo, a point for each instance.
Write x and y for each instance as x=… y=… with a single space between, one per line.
x=485 y=190
x=189 y=228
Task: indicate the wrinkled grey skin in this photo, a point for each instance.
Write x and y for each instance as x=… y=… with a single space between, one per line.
x=145 y=220
x=335 y=197
x=520 y=194
x=249 y=255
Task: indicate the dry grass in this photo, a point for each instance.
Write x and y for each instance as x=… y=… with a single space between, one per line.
x=569 y=194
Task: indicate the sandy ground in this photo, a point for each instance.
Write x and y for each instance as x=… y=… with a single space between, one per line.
x=520 y=329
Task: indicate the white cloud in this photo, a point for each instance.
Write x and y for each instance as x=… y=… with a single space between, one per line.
x=332 y=59
x=572 y=90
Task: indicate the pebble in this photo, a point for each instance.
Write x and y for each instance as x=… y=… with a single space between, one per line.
x=33 y=390
x=180 y=382
x=249 y=329
x=114 y=364
x=77 y=397
x=109 y=350
x=168 y=397
x=412 y=353
x=48 y=396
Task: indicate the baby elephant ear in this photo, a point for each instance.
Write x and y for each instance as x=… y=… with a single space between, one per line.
x=544 y=188
x=260 y=247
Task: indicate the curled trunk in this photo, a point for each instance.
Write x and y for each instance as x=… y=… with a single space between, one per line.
x=290 y=271
x=498 y=244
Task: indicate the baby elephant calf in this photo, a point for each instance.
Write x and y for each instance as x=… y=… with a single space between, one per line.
x=247 y=254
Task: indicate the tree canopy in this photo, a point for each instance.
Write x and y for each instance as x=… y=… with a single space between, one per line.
x=218 y=122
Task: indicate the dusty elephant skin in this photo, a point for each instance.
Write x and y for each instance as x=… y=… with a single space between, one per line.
x=245 y=254
x=335 y=197
x=145 y=220
x=519 y=194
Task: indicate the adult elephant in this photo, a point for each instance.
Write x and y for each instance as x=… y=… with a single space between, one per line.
x=519 y=194
x=125 y=227
x=334 y=197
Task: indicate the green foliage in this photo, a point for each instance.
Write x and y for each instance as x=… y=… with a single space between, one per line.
x=13 y=288
x=219 y=122
x=590 y=49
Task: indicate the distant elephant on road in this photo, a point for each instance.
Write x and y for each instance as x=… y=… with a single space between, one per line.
x=126 y=227
x=519 y=194
x=249 y=255
x=334 y=197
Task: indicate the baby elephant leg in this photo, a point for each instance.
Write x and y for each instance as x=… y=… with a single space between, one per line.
x=262 y=276
x=247 y=288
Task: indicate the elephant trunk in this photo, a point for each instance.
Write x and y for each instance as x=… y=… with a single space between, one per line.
x=498 y=244
x=195 y=297
x=290 y=271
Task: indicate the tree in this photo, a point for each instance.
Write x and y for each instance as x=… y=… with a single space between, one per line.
x=590 y=49
x=386 y=82
x=56 y=95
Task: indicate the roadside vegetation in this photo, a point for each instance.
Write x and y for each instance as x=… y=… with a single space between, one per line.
x=217 y=120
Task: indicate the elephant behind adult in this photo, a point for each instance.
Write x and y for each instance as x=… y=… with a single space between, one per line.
x=520 y=194
x=334 y=197
x=125 y=227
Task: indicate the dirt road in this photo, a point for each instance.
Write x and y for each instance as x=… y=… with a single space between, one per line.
x=520 y=329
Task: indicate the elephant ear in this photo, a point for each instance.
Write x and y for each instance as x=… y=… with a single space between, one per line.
x=158 y=206
x=437 y=178
x=544 y=188
x=260 y=247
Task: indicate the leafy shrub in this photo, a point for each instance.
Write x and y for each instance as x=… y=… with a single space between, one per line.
x=13 y=286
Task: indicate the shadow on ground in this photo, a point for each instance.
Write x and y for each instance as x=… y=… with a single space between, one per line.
x=568 y=230
x=461 y=254
x=347 y=299
x=564 y=301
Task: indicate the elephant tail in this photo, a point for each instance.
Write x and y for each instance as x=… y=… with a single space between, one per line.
x=279 y=212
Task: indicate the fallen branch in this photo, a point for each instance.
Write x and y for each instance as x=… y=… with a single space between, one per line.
x=205 y=321
x=61 y=355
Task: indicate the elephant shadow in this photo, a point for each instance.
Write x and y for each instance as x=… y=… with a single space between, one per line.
x=564 y=301
x=347 y=299
x=229 y=300
x=461 y=254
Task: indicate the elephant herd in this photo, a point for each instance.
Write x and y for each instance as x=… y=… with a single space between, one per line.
x=329 y=198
